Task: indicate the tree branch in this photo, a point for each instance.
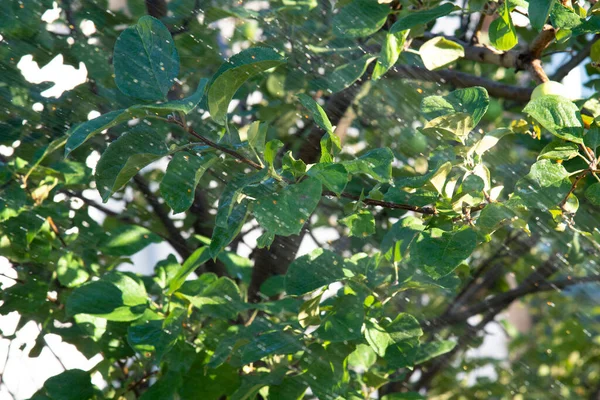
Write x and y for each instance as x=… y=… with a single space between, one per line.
x=463 y=80
x=577 y=59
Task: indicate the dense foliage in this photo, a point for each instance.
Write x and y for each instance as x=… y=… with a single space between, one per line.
x=450 y=192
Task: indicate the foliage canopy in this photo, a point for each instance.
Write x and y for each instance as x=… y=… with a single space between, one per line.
x=450 y=195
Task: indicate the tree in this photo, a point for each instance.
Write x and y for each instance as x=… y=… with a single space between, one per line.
x=453 y=194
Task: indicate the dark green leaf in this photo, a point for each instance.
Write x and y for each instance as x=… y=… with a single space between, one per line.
x=538 y=11
x=430 y=350
x=217 y=297
x=312 y=271
x=198 y=257
x=277 y=342
x=361 y=224
x=146 y=60
x=221 y=237
x=360 y=18
x=545 y=186
x=439 y=252
x=592 y=193
x=178 y=186
x=154 y=334
x=422 y=17
x=234 y=73
x=333 y=176
x=125 y=157
x=558 y=115
x=73 y=384
x=345 y=75
x=116 y=296
x=285 y=212
x=344 y=320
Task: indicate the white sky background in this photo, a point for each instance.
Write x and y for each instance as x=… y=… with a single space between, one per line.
x=24 y=375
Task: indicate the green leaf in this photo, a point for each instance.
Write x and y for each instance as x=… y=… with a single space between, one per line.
x=431 y=350
x=361 y=224
x=333 y=176
x=492 y=216
x=198 y=257
x=558 y=115
x=271 y=149
x=439 y=252
x=265 y=240
x=564 y=17
x=538 y=11
x=221 y=236
x=232 y=193
x=277 y=342
x=455 y=126
x=400 y=236
x=310 y=311
x=392 y=46
x=257 y=135
x=345 y=75
x=404 y=396
x=592 y=136
x=116 y=296
x=545 y=186
x=440 y=52
x=376 y=163
x=422 y=17
x=363 y=357
x=178 y=186
x=344 y=320
x=217 y=297
x=73 y=384
x=404 y=327
x=360 y=18
x=126 y=240
x=559 y=150
x=209 y=383
x=125 y=157
x=285 y=212
x=377 y=337
x=312 y=271
x=503 y=34
x=316 y=111
x=592 y=193
x=330 y=145
x=473 y=101
x=80 y=133
x=154 y=334
x=146 y=60
x=230 y=77
x=71 y=271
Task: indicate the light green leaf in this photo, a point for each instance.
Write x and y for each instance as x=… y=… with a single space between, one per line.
x=558 y=115
x=286 y=211
x=473 y=101
x=538 y=12
x=184 y=171
x=71 y=271
x=116 y=296
x=360 y=18
x=80 y=133
x=361 y=224
x=363 y=357
x=592 y=193
x=312 y=271
x=330 y=145
x=146 y=60
x=440 y=52
x=125 y=157
x=230 y=77
x=439 y=252
x=545 y=186
x=316 y=111
x=333 y=176
x=198 y=257
x=376 y=163
x=503 y=34
x=559 y=150
x=422 y=17
x=126 y=240
x=455 y=126
x=392 y=46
